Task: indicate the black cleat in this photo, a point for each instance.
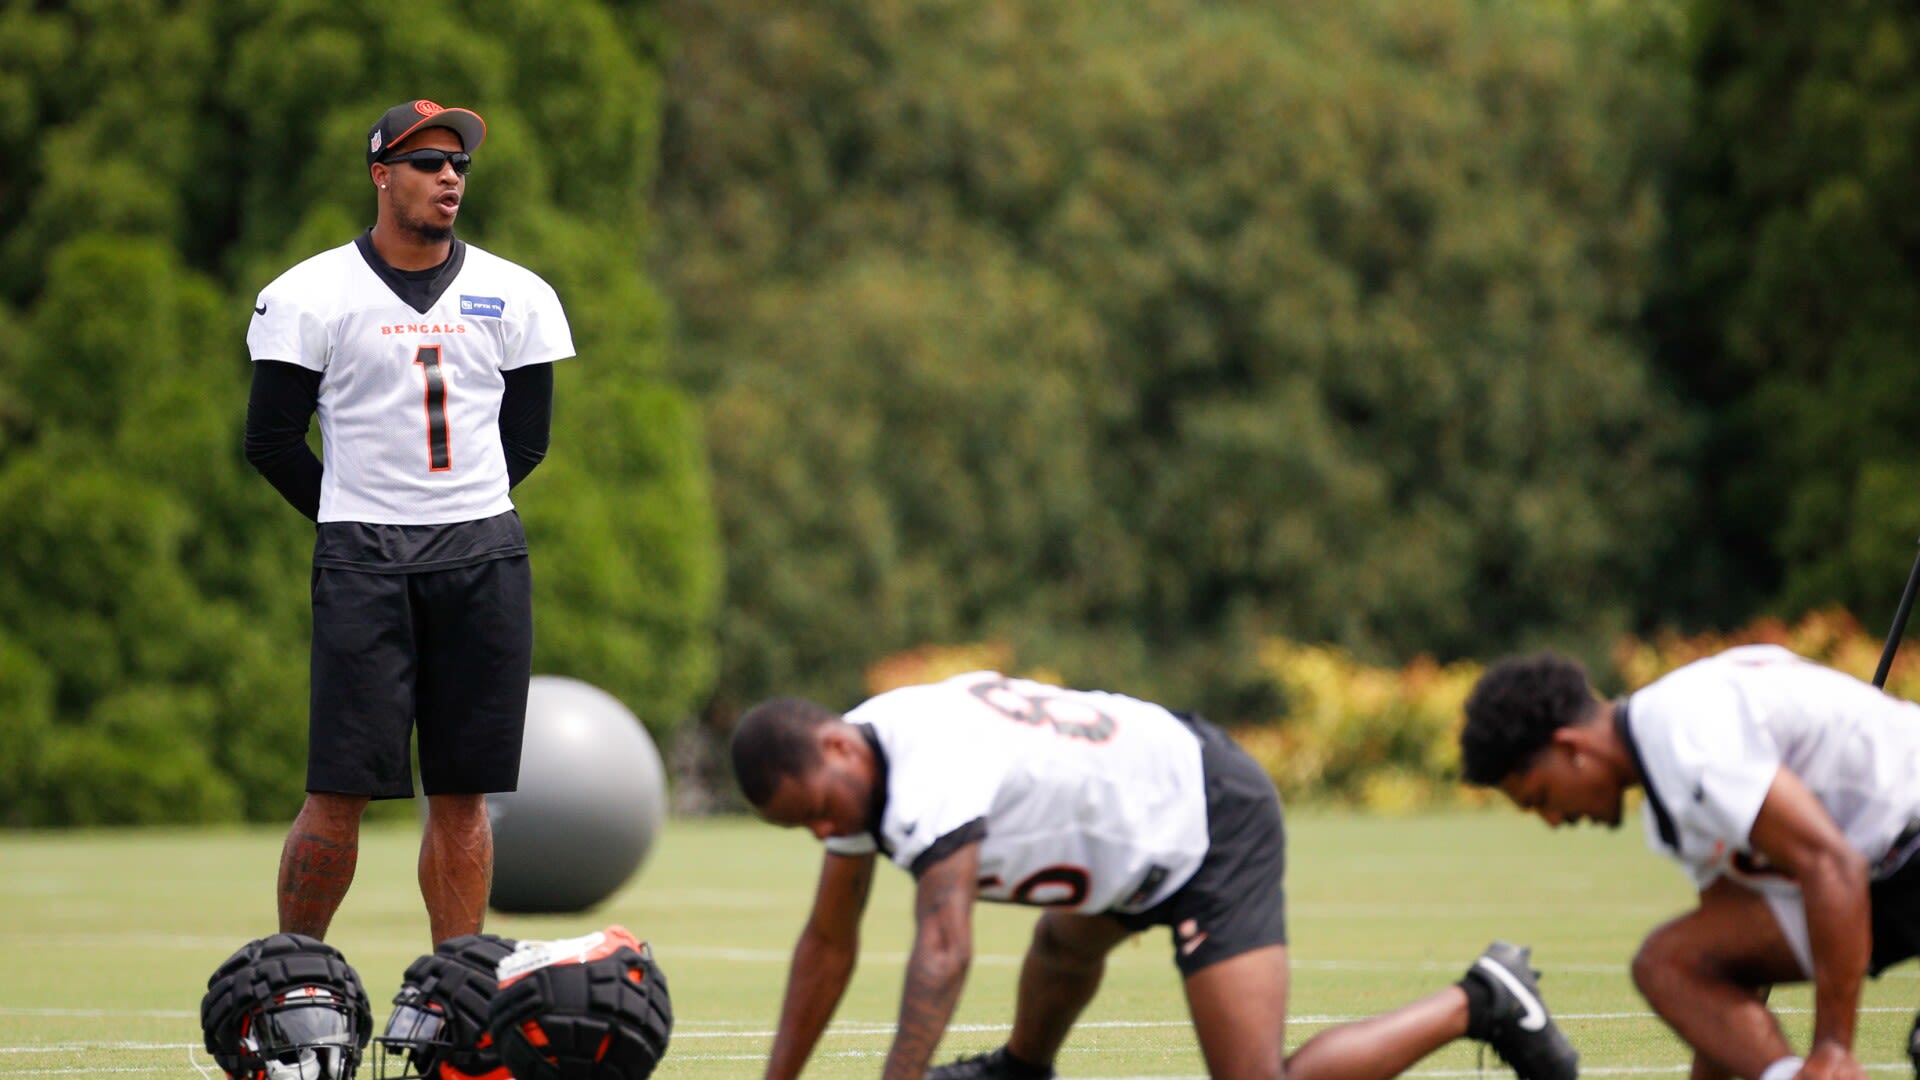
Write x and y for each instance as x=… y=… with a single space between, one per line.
x=992 y=1065
x=1515 y=1021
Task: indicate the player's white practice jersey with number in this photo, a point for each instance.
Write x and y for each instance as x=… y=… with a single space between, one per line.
x=1711 y=736
x=1080 y=799
x=409 y=400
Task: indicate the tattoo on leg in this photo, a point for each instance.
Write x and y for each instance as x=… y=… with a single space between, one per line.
x=315 y=872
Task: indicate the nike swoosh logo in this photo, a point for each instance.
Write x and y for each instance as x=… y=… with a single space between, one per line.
x=261 y=310
x=1534 y=1015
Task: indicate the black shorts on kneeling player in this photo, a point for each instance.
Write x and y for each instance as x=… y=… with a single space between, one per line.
x=1236 y=901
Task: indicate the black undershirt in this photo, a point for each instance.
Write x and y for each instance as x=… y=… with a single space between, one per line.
x=419 y=289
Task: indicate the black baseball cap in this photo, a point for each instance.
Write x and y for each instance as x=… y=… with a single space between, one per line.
x=410 y=116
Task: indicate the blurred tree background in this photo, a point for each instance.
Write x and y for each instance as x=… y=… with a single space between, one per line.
x=1788 y=308
x=1135 y=333
x=1137 y=339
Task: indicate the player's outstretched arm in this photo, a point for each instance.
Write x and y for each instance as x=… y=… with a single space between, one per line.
x=937 y=970
x=1797 y=835
x=822 y=961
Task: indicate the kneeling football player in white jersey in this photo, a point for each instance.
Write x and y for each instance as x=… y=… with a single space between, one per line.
x=1114 y=815
x=1788 y=792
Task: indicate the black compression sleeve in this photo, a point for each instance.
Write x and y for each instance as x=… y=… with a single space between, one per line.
x=279 y=409
x=526 y=418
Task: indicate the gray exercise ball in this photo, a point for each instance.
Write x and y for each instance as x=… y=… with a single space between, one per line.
x=592 y=798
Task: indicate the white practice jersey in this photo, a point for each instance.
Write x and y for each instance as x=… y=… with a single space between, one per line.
x=410 y=401
x=1711 y=736
x=1083 y=800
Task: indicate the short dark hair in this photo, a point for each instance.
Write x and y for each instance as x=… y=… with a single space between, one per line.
x=775 y=740
x=1513 y=711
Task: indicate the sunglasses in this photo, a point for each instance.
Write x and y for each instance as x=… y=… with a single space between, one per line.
x=432 y=161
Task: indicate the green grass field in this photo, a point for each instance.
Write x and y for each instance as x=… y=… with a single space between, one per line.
x=106 y=940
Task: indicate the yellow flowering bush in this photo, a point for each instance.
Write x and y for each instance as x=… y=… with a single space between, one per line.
x=1832 y=637
x=932 y=663
x=1375 y=737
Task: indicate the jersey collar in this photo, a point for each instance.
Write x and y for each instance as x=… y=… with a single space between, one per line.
x=418 y=289
x=877 y=798
x=1669 y=835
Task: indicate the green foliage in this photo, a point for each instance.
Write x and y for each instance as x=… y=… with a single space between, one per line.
x=26 y=720
x=1788 y=312
x=139 y=576
x=625 y=586
x=159 y=163
x=1129 y=337
x=142 y=755
x=1132 y=332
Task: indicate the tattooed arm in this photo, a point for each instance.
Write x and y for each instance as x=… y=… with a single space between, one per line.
x=942 y=949
x=822 y=961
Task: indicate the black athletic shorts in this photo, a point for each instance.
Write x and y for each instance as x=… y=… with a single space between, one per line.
x=1235 y=902
x=447 y=651
x=1895 y=901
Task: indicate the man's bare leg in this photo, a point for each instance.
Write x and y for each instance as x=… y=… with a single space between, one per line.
x=1384 y=1045
x=456 y=865
x=1060 y=975
x=317 y=862
x=1239 y=1012
x=1704 y=973
x=1239 y=1008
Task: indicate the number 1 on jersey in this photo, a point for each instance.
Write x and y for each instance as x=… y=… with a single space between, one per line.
x=439 y=454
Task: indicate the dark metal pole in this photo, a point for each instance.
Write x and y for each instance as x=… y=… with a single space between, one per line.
x=1899 y=627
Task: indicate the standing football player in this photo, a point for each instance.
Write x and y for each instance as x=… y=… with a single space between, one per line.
x=1788 y=792
x=429 y=362
x=1114 y=815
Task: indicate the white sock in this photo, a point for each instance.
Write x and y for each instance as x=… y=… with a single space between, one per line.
x=1784 y=1069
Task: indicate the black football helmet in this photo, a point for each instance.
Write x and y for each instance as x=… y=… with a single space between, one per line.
x=586 y=1008
x=286 y=1007
x=438 y=1030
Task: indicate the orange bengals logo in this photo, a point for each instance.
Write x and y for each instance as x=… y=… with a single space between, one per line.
x=427 y=108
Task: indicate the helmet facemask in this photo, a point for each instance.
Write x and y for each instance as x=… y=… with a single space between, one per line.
x=415 y=1038
x=308 y=1034
x=438 y=1027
